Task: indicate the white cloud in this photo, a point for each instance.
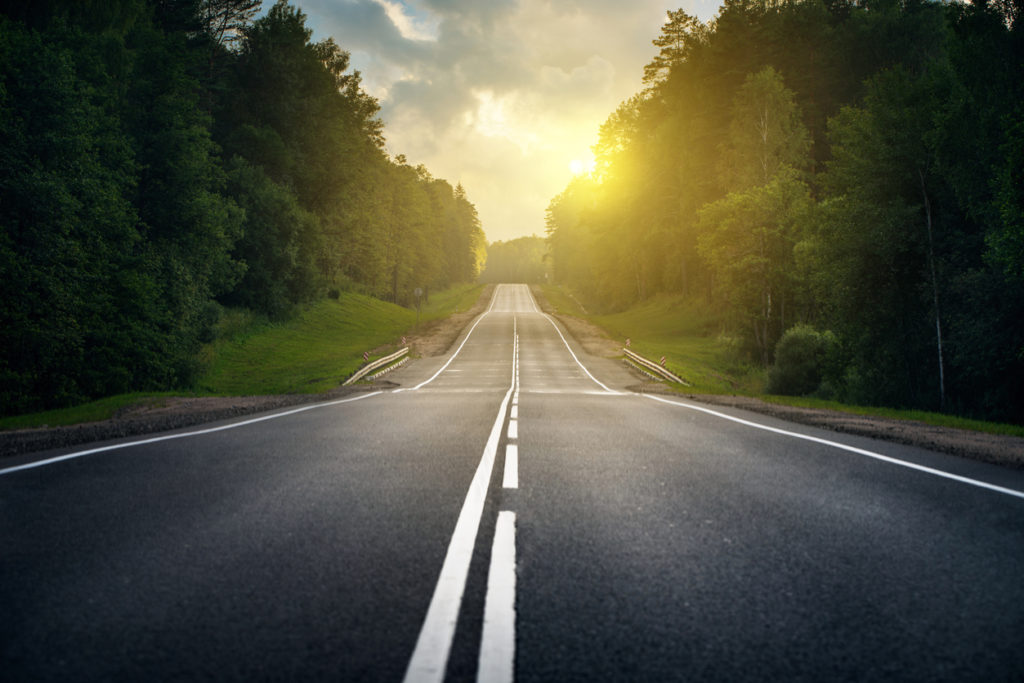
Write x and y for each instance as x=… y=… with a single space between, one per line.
x=410 y=26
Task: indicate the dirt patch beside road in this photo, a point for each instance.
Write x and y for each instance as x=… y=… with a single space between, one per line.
x=437 y=336
x=591 y=337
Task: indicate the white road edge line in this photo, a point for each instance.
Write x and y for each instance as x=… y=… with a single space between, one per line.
x=483 y=315
x=537 y=309
x=168 y=437
x=852 y=449
x=430 y=657
x=498 y=643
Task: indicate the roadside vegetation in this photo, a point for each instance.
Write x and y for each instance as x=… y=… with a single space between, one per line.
x=167 y=161
x=312 y=352
x=835 y=185
x=319 y=348
x=696 y=350
x=687 y=337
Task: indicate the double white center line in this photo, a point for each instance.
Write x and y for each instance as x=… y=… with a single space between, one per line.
x=497 y=647
x=498 y=641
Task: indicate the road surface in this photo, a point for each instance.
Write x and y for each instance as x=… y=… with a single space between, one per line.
x=511 y=512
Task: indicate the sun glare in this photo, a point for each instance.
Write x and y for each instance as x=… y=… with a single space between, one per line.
x=580 y=166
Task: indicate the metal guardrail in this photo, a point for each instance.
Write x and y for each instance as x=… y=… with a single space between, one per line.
x=653 y=367
x=370 y=367
x=381 y=373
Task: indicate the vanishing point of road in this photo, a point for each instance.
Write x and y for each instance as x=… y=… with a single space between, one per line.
x=510 y=512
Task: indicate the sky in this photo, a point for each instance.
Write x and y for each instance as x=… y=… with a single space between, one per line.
x=503 y=96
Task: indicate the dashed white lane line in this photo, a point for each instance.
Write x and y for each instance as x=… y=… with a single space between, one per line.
x=842 y=446
x=511 y=478
x=514 y=415
x=498 y=643
x=513 y=429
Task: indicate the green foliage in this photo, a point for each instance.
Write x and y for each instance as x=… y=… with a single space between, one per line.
x=801 y=357
x=336 y=208
x=853 y=166
x=766 y=134
x=278 y=246
x=747 y=239
x=252 y=355
x=1005 y=241
x=157 y=158
x=68 y=230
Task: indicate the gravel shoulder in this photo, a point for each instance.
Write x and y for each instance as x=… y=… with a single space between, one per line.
x=436 y=337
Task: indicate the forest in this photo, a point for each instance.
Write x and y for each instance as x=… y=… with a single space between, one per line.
x=161 y=160
x=522 y=259
x=841 y=182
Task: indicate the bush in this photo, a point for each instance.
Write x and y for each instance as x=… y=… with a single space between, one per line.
x=209 y=318
x=800 y=360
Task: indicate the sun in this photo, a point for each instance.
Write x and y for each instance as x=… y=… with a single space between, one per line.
x=579 y=166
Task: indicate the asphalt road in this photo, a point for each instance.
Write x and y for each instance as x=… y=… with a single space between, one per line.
x=511 y=510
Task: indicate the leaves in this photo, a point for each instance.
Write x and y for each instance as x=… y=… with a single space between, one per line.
x=155 y=155
x=899 y=228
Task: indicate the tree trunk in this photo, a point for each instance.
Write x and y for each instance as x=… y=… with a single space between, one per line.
x=935 y=291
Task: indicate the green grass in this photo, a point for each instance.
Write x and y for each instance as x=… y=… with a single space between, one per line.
x=320 y=347
x=102 y=409
x=561 y=301
x=665 y=326
x=689 y=340
x=313 y=352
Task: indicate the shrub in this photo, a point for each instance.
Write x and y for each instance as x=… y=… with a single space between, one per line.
x=800 y=360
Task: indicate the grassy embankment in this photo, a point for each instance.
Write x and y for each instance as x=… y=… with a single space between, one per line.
x=694 y=350
x=664 y=326
x=311 y=353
